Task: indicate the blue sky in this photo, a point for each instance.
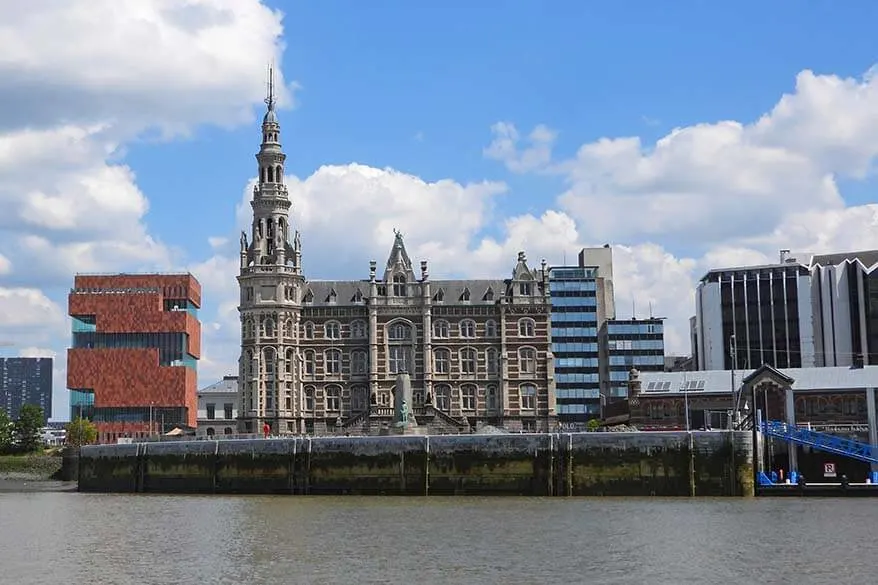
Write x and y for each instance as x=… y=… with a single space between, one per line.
x=417 y=87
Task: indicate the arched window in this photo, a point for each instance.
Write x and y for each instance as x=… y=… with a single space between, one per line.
x=490 y=328
x=467 y=328
x=290 y=359
x=399 y=285
x=492 y=359
x=271 y=174
x=227 y=431
x=333 y=398
x=268 y=361
x=332 y=330
x=210 y=431
x=268 y=327
x=333 y=361
x=468 y=360
x=309 y=365
x=399 y=336
x=440 y=329
x=527 y=360
x=526 y=327
x=309 y=398
x=468 y=397
x=528 y=393
x=308 y=330
x=441 y=361
x=279 y=173
x=247 y=364
x=491 y=398
x=249 y=330
x=262 y=175
x=443 y=397
x=358 y=329
x=288 y=328
x=399 y=331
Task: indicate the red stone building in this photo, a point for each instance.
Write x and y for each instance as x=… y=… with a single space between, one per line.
x=132 y=367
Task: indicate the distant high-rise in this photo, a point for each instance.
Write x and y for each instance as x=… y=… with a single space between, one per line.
x=132 y=368
x=25 y=381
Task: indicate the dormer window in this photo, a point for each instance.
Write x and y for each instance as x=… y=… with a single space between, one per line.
x=309 y=298
x=464 y=296
x=439 y=296
x=525 y=288
x=399 y=285
x=489 y=295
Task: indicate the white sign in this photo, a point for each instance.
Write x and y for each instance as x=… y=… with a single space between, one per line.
x=829 y=470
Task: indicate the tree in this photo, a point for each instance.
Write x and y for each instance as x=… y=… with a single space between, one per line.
x=27 y=427
x=81 y=431
x=5 y=432
x=593 y=425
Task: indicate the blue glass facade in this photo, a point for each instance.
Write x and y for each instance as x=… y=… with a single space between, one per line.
x=573 y=292
x=627 y=344
x=171 y=346
x=25 y=381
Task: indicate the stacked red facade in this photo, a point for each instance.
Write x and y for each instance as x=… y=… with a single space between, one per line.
x=123 y=375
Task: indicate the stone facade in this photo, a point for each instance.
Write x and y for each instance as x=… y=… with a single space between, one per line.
x=321 y=357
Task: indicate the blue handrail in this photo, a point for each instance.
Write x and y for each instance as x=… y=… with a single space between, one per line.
x=821 y=441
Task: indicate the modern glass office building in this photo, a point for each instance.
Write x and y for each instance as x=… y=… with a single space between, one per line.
x=627 y=344
x=575 y=343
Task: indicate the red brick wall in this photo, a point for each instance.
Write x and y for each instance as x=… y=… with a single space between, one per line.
x=173 y=285
x=132 y=377
x=136 y=313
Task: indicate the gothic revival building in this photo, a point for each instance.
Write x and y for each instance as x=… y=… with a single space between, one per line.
x=323 y=356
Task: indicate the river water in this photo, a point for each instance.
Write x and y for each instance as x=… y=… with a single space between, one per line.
x=48 y=538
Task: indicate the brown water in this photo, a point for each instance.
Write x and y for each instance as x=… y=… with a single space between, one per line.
x=71 y=538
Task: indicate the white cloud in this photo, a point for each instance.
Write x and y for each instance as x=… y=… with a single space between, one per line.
x=504 y=147
x=81 y=80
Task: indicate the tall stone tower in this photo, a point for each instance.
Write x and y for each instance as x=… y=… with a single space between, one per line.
x=271 y=284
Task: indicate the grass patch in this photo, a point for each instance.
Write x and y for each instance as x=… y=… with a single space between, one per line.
x=36 y=464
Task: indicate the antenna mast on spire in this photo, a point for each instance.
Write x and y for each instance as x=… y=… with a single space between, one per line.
x=269 y=100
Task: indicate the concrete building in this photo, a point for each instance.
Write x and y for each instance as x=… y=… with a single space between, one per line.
x=132 y=367
x=582 y=299
x=218 y=408
x=754 y=315
x=845 y=308
x=627 y=344
x=25 y=381
x=323 y=356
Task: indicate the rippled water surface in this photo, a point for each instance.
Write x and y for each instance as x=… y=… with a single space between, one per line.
x=50 y=538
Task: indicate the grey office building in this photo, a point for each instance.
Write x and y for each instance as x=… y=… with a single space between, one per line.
x=25 y=381
x=627 y=344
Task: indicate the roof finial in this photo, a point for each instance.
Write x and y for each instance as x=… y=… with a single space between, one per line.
x=269 y=100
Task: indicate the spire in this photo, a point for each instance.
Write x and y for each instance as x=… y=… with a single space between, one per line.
x=270 y=116
x=398 y=262
x=269 y=100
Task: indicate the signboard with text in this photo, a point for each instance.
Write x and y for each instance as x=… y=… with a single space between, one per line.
x=829 y=470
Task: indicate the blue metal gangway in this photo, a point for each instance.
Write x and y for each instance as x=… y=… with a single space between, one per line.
x=822 y=441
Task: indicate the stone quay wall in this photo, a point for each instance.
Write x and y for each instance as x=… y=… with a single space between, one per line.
x=555 y=464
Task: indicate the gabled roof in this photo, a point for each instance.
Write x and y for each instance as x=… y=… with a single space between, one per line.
x=766 y=370
x=868 y=259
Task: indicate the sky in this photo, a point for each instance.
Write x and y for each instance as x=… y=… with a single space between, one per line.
x=689 y=135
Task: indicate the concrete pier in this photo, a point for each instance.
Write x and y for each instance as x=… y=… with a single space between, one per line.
x=561 y=464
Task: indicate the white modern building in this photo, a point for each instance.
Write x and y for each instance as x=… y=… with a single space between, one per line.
x=754 y=315
x=218 y=408
x=845 y=297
